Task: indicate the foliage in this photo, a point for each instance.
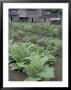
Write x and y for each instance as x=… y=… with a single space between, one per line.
x=51 y=44
x=31 y=58
x=55 y=46
x=36 y=71
x=33 y=47
x=37 y=28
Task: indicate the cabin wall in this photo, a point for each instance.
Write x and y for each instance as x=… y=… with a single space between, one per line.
x=31 y=15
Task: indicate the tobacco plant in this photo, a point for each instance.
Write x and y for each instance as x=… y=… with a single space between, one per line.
x=31 y=59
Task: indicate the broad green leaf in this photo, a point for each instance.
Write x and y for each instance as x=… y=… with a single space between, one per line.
x=44 y=59
x=47 y=72
x=34 y=67
x=14 y=66
x=33 y=78
x=20 y=64
x=33 y=57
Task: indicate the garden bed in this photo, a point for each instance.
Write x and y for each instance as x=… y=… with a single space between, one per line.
x=19 y=76
x=35 y=51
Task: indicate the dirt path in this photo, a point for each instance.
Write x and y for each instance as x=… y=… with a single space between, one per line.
x=16 y=76
x=58 y=70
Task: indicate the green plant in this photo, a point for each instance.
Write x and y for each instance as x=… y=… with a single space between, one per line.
x=38 y=71
x=55 y=46
x=51 y=44
x=33 y=47
x=37 y=28
x=32 y=59
x=19 y=51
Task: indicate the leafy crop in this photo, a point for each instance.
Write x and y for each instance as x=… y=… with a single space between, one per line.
x=32 y=59
x=37 y=28
x=33 y=48
x=51 y=44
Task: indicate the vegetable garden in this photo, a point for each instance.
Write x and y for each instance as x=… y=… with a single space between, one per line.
x=33 y=48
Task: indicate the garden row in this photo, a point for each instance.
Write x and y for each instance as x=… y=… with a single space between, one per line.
x=36 y=28
x=33 y=48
